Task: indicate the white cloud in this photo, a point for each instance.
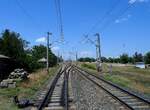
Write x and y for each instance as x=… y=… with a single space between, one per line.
x=55 y=48
x=122 y=19
x=41 y=40
x=140 y=1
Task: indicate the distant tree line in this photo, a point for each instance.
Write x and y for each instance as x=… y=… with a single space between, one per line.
x=87 y=59
x=124 y=58
x=13 y=46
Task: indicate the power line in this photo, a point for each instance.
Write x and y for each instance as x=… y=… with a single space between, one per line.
x=118 y=16
x=105 y=16
x=27 y=14
x=59 y=18
x=121 y=13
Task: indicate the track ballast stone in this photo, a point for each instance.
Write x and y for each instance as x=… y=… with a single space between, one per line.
x=89 y=97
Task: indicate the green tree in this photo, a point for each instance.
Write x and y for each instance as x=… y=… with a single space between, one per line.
x=117 y=60
x=39 y=51
x=147 y=58
x=86 y=59
x=131 y=60
x=104 y=59
x=138 y=57
x=124 y=58
x=12 y=45
x=111 y=60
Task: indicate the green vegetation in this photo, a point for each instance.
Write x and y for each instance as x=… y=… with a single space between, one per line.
x=124 y=59
x=147 y=58
x=126 y=76
x=89 y=66
x=86 y=59
x=40 y=51
x=118 y=80
x=25 y=89
x=12 y=45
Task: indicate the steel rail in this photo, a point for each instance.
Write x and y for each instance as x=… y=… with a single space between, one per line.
x=105 y=89
x=52 y=87
x=66 y=91
x=66 y=88
x=50 y=91
x=116 y=86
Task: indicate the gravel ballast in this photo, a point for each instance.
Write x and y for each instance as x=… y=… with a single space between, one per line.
x=90 y=97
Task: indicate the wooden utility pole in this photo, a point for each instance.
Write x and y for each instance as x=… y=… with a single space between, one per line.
x=48 y=34
x=98 y=53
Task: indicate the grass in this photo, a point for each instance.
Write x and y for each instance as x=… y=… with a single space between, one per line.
x=127 y=76
x=89 y=66
x=25 y=89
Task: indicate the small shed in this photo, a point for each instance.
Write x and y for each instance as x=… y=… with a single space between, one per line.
x=6 y=66
x=140 y=65
x=42 y=60
x=3 y=57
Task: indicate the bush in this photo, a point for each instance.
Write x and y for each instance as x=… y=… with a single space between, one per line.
x=147 y=58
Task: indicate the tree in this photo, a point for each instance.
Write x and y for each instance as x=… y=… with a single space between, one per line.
x=116 y=60
x=131 y=60
x=111 y=60
x=12 y=45
x=138 y=57
x=86 y=59
x=104 y=59
x=124 y=58
x=147 y=58
x=39 y=51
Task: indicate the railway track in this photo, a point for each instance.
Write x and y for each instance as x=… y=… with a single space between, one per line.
x=129 y=100
x=58 y=96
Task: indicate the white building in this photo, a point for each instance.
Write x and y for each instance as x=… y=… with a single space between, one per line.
x=140 y=65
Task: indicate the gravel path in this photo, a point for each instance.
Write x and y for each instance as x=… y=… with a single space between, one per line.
x=89 y=97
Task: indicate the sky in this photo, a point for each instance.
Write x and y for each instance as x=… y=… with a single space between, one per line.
x=123 y=25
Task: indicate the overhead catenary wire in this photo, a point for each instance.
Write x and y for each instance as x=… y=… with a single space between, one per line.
x=57 y=14
x=108 y=12
x=121 y=13
x=105 y=16
x=59 y=18
x=24 y=11
x=108 y=23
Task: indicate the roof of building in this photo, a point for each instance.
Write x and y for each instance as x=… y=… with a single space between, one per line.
x=3 y=56
x=42 y=60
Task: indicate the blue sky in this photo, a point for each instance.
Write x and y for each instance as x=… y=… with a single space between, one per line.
x=120 y=32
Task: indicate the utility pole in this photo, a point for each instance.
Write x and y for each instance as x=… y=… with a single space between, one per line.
x=98 y=53
x=58 y=58
x=48 y=34
x=76 y=58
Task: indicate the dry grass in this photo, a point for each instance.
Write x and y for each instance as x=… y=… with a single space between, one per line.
x=25 y=89
x=128 y=76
